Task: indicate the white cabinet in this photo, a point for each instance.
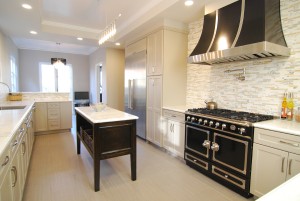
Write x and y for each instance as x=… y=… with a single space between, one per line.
x=14 y=162
x=53 y=116
x=41 y=120
x=154 y=128
x=276 y=158
x=174 y=133
x=166 y=78
x=155 y=53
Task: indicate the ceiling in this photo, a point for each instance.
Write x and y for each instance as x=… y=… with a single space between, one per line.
x=59 y=22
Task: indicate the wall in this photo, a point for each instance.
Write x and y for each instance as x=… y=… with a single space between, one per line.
x=113 y=63
x=266 y=79
x=29 y=69
x=7 y=50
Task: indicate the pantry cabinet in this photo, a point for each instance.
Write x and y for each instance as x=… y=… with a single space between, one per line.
x=174 y=132
x=166 y=78
x=276 y=158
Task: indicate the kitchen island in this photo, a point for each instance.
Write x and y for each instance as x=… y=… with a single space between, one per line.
x=106 y=134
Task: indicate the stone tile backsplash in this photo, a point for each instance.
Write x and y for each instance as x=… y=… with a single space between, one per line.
x=266 y=79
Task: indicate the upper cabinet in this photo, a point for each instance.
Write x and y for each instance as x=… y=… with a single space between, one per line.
x=155 y=53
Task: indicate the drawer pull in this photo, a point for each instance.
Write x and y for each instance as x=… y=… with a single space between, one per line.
x=5 y=161
x=282 y=164
x=289 y=143
x=173 y=116
x=15 y=143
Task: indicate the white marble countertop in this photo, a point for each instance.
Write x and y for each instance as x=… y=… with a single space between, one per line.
x=107 y=115
x=288 y=191
x=284 y=126
x=177 y=108
x=10 y=120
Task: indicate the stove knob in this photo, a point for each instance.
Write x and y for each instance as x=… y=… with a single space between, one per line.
x=205 y=122
x=193 y=119
x=199 y=121
x=211 y=123
x=188 y=118
x=217 y=124
x=242 y=131
x=223 y=126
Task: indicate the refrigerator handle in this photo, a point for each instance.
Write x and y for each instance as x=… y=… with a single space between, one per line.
x=129 y=94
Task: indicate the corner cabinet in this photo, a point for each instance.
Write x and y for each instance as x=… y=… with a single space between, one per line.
x=166 y=77
x=276 y=158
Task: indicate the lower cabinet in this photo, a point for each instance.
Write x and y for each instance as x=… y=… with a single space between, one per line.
x=174 y=132
x=275 y=159
x=14 y=162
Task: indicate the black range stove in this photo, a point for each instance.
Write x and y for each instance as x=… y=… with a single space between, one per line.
x=219 y=144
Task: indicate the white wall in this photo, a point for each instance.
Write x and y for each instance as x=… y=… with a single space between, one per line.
x=29 y=69
x=7 y=50
x=113 y=63
x=266 y=79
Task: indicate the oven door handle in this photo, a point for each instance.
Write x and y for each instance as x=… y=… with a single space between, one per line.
x=215 y=146
x=206 y=144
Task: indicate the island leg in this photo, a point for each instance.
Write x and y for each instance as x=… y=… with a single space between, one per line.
x=97 y=174
x=133 y=165
x=78 y=144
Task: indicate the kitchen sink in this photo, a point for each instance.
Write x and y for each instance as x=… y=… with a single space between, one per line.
x=12 y=107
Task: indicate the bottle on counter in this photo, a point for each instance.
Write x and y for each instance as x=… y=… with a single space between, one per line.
x=297 y=115
x=290 y=107
x=284 y=107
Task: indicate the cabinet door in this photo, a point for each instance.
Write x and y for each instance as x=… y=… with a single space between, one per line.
x=150 y=125
x=268 y=169
x=66 y=115
x=16 y=178
x=155 y=53
x=41 y=117
x=168 y=136
x=179 y=136
x=6 y=188
x=293 y=165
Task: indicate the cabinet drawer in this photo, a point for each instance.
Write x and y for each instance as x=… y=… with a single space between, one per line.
x=53 y=124
x=53 y=105
x=173 y=115
x=4 y=162
x=53 y=113
x=283 y=141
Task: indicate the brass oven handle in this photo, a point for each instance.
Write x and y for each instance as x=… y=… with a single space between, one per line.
x=206 y=144
x=289 y=143
x=215 y=147
x=282 y=164
x=14 y=170
x=290 y=167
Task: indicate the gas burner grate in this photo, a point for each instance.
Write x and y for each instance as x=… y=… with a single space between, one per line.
x=231 y=114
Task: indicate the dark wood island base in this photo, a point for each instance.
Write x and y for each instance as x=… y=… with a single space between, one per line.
x=107 y=140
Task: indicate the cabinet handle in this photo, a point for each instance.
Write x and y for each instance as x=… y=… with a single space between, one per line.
x=289 y=143
x=282 y=164
x=5 y=161
x=290 y=167
x=15 y=143
x=24 y=147
x=14 y=170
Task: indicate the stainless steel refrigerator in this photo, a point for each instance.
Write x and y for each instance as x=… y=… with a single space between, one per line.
x=135 y=89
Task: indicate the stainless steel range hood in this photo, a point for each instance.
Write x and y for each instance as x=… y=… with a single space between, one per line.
x=243 y=30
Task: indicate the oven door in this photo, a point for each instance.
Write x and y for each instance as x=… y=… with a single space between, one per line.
x=231 y=151
x=197 y=140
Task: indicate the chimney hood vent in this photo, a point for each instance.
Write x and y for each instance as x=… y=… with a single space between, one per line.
x=243 y=30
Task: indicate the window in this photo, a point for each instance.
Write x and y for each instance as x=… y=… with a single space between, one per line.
x=56 y=78
x=13 y=74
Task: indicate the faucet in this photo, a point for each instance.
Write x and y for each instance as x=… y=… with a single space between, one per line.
x=9 y=91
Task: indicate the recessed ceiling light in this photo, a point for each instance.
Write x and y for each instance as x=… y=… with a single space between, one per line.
x=189 y=2
x=117 y=44
x=33 y=32
x=79 y=38
x=26 y=6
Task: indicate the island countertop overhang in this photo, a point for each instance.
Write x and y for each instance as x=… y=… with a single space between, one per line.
x=107 y=115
